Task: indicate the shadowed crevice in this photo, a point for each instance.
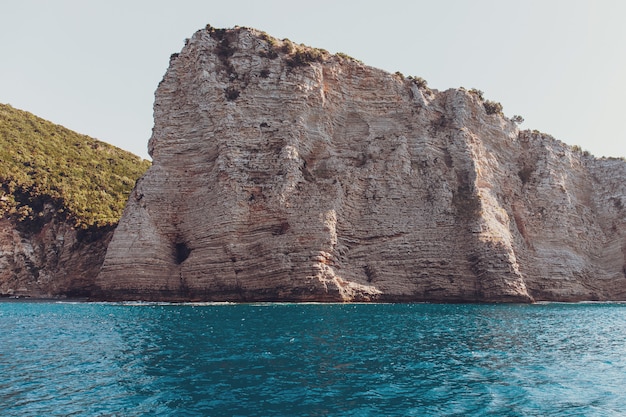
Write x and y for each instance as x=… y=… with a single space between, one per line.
x=182 y=252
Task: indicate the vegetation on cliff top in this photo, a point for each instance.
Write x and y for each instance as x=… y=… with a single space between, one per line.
x=44 y=167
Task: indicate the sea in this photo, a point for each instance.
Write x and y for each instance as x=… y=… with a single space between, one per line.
x=152 y=359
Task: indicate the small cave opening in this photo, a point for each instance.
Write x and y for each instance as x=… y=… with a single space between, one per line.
x=182 y=252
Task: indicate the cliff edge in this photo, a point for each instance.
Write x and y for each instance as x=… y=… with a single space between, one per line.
x=282 y=172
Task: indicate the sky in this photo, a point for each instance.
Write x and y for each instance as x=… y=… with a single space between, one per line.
x=93 y=66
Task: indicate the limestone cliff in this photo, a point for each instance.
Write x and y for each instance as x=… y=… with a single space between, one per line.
x=281 y=172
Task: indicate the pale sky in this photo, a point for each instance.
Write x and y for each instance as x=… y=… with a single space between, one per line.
x=93 y=66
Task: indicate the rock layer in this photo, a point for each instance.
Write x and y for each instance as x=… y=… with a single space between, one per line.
x=281 y=172
x=57 y=260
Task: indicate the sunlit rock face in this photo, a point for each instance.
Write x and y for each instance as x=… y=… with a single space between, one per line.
x=283 y=173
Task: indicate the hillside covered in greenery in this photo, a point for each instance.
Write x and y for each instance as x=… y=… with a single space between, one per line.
x=42 y=164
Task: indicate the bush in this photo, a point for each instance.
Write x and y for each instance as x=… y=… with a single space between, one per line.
x=287 y=47
x=347 y=57
x=306 y=56
x=477 y=93
x=517 y=119
x=272 y=46
x=271 y=42
x=492 y=107
x=419 y=82
x=579 y=150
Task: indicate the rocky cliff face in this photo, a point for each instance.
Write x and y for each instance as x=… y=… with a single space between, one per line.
x=281 y=172
x=56 y=260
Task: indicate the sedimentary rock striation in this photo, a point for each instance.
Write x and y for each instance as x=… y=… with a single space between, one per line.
x=281 y=172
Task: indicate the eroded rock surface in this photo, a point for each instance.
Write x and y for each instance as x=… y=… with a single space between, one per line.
x=281 y=172
x=54 y=260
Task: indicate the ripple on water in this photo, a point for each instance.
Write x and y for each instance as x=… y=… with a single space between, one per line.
x=314 y=359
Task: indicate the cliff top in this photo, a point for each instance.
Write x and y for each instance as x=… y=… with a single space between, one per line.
x=296 y=55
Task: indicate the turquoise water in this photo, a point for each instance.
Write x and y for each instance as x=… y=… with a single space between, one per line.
x=64 y=359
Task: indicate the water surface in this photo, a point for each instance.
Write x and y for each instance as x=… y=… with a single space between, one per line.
x=83 y=359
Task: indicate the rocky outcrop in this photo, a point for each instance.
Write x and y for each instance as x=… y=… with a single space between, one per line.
x=54 y=260
x=281 y=172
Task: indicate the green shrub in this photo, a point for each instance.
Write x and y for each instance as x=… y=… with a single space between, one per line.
x=305 y=56
x=272 y=46
x=271 y=42
x=287 y=47
x=492 y=107
x=477 y=93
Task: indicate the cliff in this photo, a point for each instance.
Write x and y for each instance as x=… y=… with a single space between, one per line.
x=56 y=261
x=61 y=195
x=281 y=172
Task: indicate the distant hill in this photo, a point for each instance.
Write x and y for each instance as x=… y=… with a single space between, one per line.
x=44 y=164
